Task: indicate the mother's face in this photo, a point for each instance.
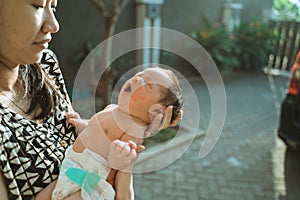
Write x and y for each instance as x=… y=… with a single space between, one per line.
x=26 y=27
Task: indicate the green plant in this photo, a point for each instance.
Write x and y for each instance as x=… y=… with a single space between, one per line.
x=220 y=46
x=254 y=43
x=161 y=136
x=84 y=51
x=286 y=9
x=248 y=46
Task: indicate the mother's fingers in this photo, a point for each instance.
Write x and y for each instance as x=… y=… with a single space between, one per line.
x=176 y=121
x=167 y=118
x=162 y=121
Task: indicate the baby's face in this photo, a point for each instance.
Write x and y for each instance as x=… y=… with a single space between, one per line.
x=142 y=91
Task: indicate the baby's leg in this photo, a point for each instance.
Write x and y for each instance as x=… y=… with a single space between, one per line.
x=124 y=186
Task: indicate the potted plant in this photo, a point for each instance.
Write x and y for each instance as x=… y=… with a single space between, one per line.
x=220 y=45
x=254 y=43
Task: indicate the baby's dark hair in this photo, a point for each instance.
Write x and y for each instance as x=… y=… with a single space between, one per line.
x=172 y=96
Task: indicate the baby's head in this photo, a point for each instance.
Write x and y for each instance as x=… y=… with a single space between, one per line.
x=149 y=92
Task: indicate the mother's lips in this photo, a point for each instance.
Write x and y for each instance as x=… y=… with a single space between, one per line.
x=43 y=43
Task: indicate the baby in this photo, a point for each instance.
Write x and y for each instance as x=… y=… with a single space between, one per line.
x=107 y=146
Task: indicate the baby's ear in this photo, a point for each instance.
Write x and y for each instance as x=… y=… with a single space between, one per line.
x=156 y=109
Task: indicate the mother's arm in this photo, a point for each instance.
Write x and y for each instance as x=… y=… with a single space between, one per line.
x=46 y=193
x=3 y=189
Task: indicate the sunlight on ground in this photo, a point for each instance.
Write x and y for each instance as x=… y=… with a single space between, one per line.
x=278 y=86
x=278 y=157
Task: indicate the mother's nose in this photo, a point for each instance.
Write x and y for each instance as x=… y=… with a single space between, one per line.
x=50 y=24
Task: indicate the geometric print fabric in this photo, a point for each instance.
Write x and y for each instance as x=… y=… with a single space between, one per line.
x=30 y=152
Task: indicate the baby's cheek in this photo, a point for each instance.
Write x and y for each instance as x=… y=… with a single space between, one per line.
x=136 y=96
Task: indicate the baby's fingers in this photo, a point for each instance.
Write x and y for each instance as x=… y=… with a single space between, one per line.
x=140 y=148
x=70 y=115
x=73 y=121
x=132 y=155
x=132 y=144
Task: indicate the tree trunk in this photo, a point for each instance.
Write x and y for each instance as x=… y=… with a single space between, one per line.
x=108 y=75
x=111 y=11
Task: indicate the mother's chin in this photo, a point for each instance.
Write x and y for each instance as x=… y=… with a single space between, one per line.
x=33 y=57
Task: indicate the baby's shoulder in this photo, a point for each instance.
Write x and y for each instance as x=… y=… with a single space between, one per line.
x=110 y=107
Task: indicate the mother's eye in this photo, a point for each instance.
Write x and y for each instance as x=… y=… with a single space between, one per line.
x=38 y=6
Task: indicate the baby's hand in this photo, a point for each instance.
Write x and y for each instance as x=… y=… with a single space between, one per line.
x=72 y=116
x=122 y=154
x=75 y=119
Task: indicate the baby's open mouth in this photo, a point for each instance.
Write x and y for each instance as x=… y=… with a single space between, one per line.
x=128 y=88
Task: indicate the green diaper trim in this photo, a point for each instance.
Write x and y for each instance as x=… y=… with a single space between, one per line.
x=84 y=179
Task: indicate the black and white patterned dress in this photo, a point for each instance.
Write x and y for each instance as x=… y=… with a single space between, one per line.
x=30 y=153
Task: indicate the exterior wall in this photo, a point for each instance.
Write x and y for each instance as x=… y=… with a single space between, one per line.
x=186 y=16
x=80 y=21
x=255 y=8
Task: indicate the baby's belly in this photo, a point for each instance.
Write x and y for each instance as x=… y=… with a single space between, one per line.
x=96 y=138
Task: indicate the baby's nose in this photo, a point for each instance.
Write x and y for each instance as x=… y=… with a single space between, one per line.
x=138 y=79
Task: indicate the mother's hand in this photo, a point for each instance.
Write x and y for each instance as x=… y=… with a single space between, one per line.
x=168 y=114
x=162 y=121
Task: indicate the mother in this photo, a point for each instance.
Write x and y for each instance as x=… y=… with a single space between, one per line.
x=33 y=102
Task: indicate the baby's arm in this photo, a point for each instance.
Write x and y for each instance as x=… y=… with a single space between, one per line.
x=123 y=182
x=121 y=155
x=75 y=119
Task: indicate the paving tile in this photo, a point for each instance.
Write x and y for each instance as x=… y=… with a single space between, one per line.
x=249 y=162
